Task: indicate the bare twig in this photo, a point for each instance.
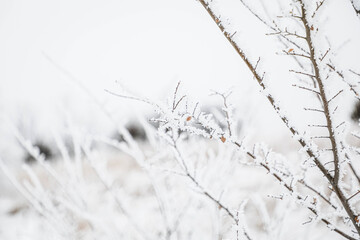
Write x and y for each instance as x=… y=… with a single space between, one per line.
x=335 y=96
x=322 y=58
x=352 y=71
x=353 y=196
x=182 y=162
x=314 y=110
x=335 y=181
x=322 y=92
x=291 y=190
x=176 y=104
x=357 y=11
x=275 y=29
x=302 y=73
x=318 y=6
x=318 y=193
x=226 y=110
x=306 y=88
x=296 y=54
x=259 y=79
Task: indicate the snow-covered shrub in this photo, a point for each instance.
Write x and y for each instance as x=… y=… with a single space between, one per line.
x=197 y=176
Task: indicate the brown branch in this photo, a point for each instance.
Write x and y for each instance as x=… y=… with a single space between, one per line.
x=302 y=141
x=272 y=28
x=317 y=125
x=291 y=190
x=353 y=196
x=321 y=137
x=259 y=79
x=318 y=5
x=335 y=96
x=296 y=54
x=314 y=110
x=178 y=102
x=322 y=92
x=341 y=75
x=175 y=105
x=302 y=73
x=322 y=58
x=340 y=124
x=176 y=90
x=357 y=11
x=281 y=37
x=334 y=181
x=352 y=71
x=318 y=193
x=306 y=88
x=334 y=69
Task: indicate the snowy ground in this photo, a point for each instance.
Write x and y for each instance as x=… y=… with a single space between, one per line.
x=188 y=214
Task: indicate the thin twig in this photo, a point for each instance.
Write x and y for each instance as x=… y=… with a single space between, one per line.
x=306 y=88
x=302 y=141
x=302 y=73
x=291 y=190
x=318 y=5
x=335 y=96
x=335 y=181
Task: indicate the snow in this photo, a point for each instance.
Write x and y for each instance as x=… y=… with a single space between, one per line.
x=75 y=81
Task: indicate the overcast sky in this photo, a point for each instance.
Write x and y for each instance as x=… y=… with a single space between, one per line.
x=148 y=46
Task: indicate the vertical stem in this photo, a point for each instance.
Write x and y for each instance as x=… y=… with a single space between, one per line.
x=323 y=97
x=332 y=180
x=329 y=122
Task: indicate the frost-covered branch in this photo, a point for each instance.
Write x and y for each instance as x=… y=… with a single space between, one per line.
x=311 y=151
x=356 y=6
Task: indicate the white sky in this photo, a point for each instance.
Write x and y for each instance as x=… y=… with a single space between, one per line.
x=146 y=45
